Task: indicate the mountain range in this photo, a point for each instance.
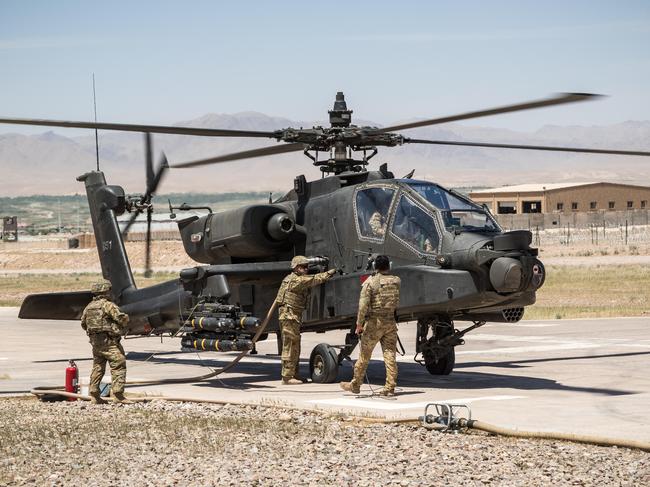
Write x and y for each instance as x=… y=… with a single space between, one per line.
x=48 y=163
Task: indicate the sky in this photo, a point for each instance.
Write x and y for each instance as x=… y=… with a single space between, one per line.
x=163 y=62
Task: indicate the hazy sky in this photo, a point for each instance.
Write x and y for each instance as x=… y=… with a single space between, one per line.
x=162 y=62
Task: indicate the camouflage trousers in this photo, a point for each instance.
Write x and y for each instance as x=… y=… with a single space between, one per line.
x=107 y=349
x=290 y=347
x=384 y=332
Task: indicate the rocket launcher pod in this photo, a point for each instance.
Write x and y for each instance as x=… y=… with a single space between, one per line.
x=214 y=345
x=210 y=323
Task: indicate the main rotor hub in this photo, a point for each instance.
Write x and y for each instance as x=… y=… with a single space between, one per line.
x=340 y=116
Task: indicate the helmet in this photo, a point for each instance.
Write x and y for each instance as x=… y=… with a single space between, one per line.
x=101 y=287
x=299 y=260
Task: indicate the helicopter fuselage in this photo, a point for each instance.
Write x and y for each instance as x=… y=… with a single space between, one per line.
x=448 y=264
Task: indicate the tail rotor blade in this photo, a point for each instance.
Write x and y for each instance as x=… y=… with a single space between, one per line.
x=148 y=158
x=162 y=169
x=131 y=221
x=147 y=250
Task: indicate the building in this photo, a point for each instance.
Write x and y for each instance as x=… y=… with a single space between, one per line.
x=563 y=198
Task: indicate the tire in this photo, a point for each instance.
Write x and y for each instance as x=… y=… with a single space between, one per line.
x=443 y=366
x=323 y=364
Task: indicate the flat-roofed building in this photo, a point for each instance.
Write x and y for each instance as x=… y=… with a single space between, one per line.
x=563 y=198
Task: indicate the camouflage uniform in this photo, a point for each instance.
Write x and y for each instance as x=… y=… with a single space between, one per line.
x=377 y=304
x=104 y=323
x=292 y=301
x=377 y=224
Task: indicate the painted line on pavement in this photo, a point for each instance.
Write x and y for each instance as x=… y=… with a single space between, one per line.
x=537 y=348
x=535 y=325
x=394 y=406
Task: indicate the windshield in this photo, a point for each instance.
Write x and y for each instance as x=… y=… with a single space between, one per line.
x=415 y=227
x=457 y=213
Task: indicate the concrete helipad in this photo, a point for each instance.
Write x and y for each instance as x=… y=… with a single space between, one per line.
x=584 y=376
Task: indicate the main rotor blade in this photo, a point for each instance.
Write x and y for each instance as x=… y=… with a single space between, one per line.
x=529 y=147
x=124 y=127
x=264 y=151
x=559 y=99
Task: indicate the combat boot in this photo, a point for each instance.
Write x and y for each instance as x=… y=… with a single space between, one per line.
x=301 y=379
x=119 y=397
x=347 y=386
x=292 y=381
x=387 y=392
x=96 y=398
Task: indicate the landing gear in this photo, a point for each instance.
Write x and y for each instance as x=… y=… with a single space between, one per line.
x=440 y=365
x=325 y=360
x=324 y=364
x=438 y=353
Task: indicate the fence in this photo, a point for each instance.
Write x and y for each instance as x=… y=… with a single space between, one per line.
x=547 y=221
x=87 y=240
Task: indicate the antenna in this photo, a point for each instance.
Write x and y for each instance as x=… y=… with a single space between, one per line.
x=95 y=107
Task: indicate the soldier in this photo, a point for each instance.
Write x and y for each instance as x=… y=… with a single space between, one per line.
x=377 y=224
x=292 y=301
x=105 y=324
x=376 y=323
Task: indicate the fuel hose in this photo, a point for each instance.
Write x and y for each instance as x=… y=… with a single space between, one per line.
x=588 y=439
x=60 y=391
x=464 y=423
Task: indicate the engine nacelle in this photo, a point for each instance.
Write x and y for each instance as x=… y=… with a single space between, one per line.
x=250 y=232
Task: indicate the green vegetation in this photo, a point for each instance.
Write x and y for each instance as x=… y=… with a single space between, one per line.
x=569 y=291
x=14 y=288
x=43 y=214
x=591 y=292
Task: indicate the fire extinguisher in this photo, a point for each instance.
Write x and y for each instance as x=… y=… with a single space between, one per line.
x=72 y=379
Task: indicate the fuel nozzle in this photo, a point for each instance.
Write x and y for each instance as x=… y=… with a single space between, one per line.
x=318 y=261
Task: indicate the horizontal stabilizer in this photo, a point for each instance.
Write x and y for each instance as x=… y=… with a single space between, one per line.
x=55 y=306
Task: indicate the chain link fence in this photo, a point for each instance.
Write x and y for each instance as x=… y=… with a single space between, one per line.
x=584 y=229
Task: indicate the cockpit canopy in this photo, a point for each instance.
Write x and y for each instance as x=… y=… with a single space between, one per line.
x=416 y=213
x=457 y=212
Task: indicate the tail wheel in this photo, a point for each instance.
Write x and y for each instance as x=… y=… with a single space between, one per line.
x=324 y=364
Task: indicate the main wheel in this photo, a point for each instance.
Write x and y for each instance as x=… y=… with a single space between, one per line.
x=323 y=364
x=437 y=360
x=443 y=366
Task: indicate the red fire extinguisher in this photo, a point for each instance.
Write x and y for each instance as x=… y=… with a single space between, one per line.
x=72 y=379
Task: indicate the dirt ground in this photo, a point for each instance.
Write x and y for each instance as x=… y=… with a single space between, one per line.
x=51 y=255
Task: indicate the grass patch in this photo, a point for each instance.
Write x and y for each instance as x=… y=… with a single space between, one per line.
x=592 y=292
x=569 y=291
x=14 y=288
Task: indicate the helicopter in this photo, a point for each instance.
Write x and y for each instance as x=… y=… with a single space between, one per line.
x=454 y=260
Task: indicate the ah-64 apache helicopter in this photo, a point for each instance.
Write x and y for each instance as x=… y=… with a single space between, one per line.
x=454 y=260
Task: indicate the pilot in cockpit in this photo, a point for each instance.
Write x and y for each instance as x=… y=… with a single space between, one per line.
x=377 y=224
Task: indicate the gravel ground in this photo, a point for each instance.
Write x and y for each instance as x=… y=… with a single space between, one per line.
x=161 y=443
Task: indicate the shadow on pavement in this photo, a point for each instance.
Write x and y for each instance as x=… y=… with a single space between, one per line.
x=516 y=364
